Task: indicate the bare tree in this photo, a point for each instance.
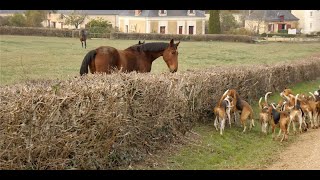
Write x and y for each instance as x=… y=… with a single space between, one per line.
x=75 y=18
x=254 y=26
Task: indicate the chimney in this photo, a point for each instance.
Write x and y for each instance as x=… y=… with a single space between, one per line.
x=137 y=12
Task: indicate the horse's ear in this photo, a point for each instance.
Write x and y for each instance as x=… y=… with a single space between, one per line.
x=171 y=43
x=178 y=44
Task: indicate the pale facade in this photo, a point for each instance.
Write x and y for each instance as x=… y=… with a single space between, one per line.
x=170 y=25
x=269 y=27
x=309 y=20
x=270 y=21
x=163 y=22
x=139 y=21
x=57 y=20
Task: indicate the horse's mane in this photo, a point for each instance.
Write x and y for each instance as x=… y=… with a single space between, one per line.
x=153 y=46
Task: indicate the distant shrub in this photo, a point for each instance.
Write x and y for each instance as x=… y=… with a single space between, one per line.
x=284 y=31
x=240 y=31
x=278 y=34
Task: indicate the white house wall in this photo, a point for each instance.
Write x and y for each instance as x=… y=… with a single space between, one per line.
x=305 y=20
x=163 y=23
x=194 y=24
x=181 y=23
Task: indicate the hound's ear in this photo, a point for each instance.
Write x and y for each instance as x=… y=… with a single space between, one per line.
x=143 y=42
x=171 y=43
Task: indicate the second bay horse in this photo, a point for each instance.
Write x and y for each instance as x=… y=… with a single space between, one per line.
x=138 y=58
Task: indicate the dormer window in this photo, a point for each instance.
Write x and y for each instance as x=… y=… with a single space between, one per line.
x=162 y=12
x=281 y=18
x=191 y=12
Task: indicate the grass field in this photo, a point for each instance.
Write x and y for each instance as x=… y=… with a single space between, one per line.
x=233 y=150
x=32 y=57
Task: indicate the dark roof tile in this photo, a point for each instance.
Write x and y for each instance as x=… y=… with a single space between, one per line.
x=271 y=15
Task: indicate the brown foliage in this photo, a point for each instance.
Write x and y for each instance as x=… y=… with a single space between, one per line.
x=110 y=121
x=31 y=31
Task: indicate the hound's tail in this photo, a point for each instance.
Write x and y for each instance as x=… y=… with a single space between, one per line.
x=260 y=103
x=86 y=61
x=313 y=96
x=251 y=116
x=295 y=101
x=266 y=97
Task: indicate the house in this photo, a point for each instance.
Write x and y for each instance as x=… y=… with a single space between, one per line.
x=270 y=21
x=309 y=20
x=140 y=21
x=57 y=19
x=162 y=21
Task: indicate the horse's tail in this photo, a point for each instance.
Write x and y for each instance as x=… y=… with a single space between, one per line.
x=86 y=61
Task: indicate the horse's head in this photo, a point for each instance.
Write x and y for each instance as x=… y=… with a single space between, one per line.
x=140 y=42
x=170 y=56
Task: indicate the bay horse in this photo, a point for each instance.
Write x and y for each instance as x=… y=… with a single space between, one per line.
x=83 y=38
x=138 y=58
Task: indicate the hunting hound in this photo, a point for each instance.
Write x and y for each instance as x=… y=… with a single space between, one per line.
x=242 y=106
x=222 y=111
x=263 y=115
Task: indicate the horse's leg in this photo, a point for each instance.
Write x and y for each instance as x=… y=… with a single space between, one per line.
x=81 y=44
x=85 y=44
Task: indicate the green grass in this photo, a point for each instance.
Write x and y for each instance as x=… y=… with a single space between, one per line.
x=233 y=150
x=32 y=57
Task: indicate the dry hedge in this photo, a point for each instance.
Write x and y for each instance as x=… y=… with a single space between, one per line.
x=33 y=31
x=111 y=121
x=182 y=37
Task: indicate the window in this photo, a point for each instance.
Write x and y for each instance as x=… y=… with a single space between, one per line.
x=288 y=26
x=190 y=29
x=162 y=29
x=180 y=29
x=281 y=26
x=162 y=12
x=127 y=28
x=281 y=18
x=191 y=12
x=311 y=13
x=270 y=28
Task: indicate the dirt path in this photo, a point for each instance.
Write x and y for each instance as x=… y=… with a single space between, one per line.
x=302 y=154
